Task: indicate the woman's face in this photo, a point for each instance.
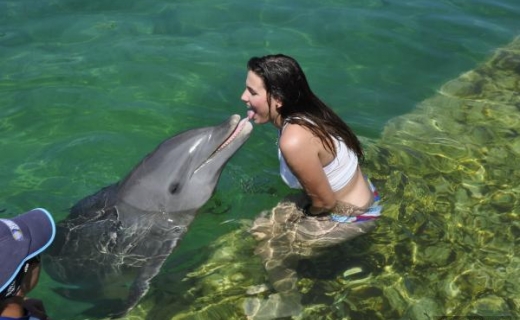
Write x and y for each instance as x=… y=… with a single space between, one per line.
x=255 y=97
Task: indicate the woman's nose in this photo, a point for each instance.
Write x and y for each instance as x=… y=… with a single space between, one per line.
x=244 y=96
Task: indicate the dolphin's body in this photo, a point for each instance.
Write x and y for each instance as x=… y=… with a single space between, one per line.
x=116 y=240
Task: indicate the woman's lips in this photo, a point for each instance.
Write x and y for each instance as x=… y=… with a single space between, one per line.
x=250 y=114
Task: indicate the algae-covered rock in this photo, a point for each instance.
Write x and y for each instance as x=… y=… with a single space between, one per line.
x=490 y=306
x=423 y=309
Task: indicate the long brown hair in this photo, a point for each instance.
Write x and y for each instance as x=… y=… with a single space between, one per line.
x=285 y=81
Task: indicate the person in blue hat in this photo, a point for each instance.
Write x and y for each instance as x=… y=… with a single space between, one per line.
x=22 y=240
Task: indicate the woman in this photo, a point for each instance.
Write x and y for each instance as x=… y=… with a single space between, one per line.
x=318 y=153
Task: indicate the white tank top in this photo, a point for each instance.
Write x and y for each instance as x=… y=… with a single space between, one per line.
x=339 y=171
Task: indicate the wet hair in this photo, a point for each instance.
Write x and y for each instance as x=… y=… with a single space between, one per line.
x=285 y=81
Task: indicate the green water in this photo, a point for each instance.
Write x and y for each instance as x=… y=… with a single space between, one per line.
x=88 y=88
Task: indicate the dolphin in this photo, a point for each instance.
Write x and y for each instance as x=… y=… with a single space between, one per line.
x=115 y=241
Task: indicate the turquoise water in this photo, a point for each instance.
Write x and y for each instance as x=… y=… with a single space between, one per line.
x=88 y=88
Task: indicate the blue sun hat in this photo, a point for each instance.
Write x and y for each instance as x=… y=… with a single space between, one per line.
x=22 y=238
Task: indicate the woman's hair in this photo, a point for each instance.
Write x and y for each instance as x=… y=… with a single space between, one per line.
x=285 y=81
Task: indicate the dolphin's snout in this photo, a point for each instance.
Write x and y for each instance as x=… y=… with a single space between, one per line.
x=242 y=128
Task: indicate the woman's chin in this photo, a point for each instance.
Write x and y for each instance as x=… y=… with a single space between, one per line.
x=259 y=120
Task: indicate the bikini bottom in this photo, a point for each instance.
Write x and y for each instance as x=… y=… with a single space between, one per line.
x=349 y=213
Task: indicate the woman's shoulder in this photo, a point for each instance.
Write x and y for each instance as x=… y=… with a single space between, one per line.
x=295 y=137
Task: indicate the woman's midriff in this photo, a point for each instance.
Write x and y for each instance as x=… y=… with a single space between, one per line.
x=356 y=192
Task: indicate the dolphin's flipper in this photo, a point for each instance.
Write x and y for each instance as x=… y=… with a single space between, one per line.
x=141 y=285
x=146 y=273
x=101 y=306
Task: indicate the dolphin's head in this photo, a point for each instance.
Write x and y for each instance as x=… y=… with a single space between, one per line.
x=182 y=172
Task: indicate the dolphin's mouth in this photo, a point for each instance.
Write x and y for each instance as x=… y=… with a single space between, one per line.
x=236 y=132
x=240 y=126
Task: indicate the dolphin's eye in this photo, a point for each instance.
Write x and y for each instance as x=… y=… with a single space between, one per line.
x=174 y=187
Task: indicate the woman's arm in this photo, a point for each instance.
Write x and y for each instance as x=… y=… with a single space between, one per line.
x=300 y=149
